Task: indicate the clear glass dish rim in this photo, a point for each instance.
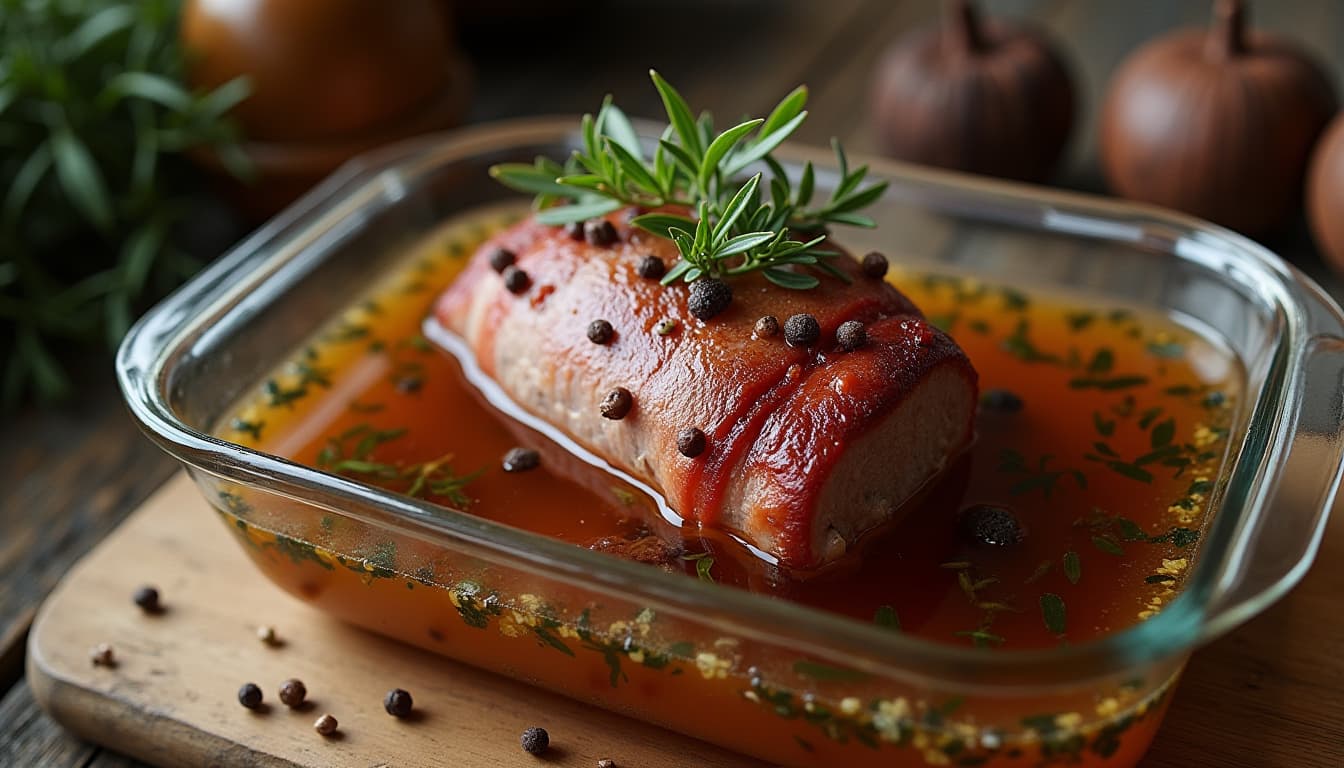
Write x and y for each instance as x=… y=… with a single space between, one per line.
x=146 y=357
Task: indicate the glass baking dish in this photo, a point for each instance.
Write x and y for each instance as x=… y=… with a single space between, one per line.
x=777 y=680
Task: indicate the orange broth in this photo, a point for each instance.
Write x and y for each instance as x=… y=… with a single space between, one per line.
x=1108 y=466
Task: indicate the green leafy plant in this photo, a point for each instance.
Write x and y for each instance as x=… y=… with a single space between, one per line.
x=738 y=225
x=94 y=122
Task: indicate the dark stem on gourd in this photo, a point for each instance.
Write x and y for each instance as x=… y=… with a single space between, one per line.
x=1227 y=36
x=961 y=27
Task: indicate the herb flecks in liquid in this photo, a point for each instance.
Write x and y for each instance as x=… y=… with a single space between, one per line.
x=1081 y=448
x=996 y=593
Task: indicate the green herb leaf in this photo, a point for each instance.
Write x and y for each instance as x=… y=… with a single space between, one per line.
x=1163 y=434
x=1079 y=320
x=1108 y=545
x=1130 y=471
x=1107 y=385
x=1130 y=530
x=679 y=114
x=80 y=178
x=1102 y=361
x=545 y=635
x=96 y=29
x=1105 y=427
x=568 y=214
x=733 y=232
x=792 y=280
x=720 y=147
x=1039 y=573
x=147 y=86
x=886 y=617
x=616 y=125
x=527 y=178
x=702 y=569
x=1073 y=567
x=215 y=104
x=826 y=673
x=1052 y=610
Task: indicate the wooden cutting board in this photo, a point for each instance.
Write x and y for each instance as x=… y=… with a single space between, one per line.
x=1270 y=694
x=171 y=700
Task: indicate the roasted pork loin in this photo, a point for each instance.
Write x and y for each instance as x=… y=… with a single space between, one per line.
x=805 y=449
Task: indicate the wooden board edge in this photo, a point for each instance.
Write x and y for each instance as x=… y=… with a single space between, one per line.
x=121 y=727
x=117 y=724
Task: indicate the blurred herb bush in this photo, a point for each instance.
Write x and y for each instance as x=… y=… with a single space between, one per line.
x=94 y=121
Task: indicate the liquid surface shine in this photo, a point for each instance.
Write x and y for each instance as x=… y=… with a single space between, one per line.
x=1101 y=433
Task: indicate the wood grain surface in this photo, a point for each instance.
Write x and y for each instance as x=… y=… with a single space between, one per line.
x=1270 y=694
x=171 y=698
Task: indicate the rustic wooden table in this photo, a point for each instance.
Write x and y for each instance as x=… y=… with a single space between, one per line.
x=1271 y=693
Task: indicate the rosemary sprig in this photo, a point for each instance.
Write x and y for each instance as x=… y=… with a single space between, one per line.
x=736 y=226
x=94 y=184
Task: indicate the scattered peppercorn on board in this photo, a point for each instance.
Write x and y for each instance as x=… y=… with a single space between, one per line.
x=170 y=695
x=172 y=698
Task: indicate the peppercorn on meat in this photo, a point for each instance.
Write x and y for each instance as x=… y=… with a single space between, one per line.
x=807 y=445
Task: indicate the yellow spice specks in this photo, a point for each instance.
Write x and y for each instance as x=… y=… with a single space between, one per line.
x=1204 y=437
x=888 y=717
x=1069 y=720
x=1173 y=567
x=711 y=666
x=936 y=757
x=510 y=628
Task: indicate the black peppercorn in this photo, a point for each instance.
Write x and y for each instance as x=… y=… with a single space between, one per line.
x=536 y=741
x=575 y=230
x=600 y=332
x=600 y=232
x=521 y=460
x=709 y=297
x=102 y=656
x=292 y=693
x=874 y=265
x=991 y=525
x=249 y=695
x=851 y=335
x=652 y=267
x=767 y=327
x=802 y=330
x=148 y=599
x=1000 y=401
x=691 y=442
x=398 y=703
x=502 y=258
x=617 y=403
x=516 y=280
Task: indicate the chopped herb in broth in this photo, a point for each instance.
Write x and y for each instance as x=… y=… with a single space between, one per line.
x=1102 y=433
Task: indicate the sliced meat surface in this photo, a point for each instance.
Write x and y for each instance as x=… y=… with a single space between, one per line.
x=807 y=448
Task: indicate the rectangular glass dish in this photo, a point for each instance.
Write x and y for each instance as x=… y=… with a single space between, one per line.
x=782 y=681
